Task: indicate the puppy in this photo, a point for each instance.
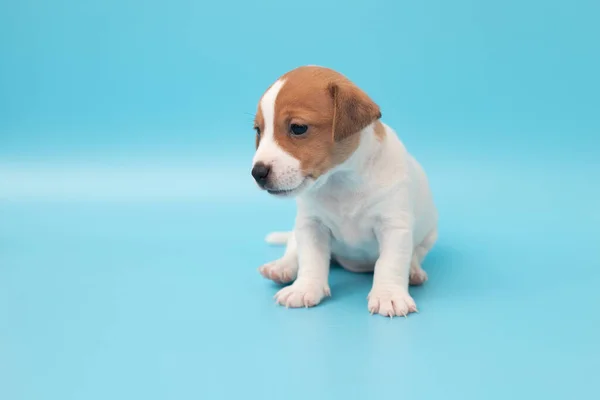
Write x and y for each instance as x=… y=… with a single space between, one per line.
x=362 y=199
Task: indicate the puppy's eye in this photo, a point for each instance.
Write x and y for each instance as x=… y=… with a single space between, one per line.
x=257 y=129
x=298 y=130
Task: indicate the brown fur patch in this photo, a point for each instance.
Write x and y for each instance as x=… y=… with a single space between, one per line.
x=332 y=107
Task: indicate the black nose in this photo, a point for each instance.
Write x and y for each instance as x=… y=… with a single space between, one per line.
x=260 y=172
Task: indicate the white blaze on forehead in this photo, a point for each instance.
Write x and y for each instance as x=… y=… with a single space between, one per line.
x=285 y=169
x=267 y=106
x=269 y=152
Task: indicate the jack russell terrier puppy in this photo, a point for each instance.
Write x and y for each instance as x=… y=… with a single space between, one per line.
x=362 y=199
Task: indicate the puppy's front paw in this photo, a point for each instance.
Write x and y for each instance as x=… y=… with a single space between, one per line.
x=280 y=271
x=302 y=294
x=391 y=301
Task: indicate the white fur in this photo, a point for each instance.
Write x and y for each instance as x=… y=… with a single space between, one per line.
x=373 y=212
x=285 y=169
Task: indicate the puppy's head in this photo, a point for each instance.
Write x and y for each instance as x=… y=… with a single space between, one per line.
x=306 y=124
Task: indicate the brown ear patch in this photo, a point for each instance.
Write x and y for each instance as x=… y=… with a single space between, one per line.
x=353 y=109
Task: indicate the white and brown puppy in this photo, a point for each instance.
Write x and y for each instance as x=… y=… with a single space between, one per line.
x=361 y=198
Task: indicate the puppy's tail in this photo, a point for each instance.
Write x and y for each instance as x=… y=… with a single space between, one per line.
x=280 y=238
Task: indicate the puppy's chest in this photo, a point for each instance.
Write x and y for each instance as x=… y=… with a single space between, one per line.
x=350 y=220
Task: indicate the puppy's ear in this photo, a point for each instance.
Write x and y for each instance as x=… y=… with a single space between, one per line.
x=353 y=109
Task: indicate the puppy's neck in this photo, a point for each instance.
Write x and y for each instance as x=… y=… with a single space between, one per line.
x=367 y=152
x=355 y=170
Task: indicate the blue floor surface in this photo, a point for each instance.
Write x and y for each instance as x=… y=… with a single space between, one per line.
x=124 y=298
x=131 y=232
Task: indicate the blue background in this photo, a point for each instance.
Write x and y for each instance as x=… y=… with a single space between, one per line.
x=130 y=229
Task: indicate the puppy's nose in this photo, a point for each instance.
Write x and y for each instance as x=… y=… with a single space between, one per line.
x=260 y=172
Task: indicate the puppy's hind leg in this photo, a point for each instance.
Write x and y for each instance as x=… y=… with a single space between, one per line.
x=285 y=269
x=417 y=275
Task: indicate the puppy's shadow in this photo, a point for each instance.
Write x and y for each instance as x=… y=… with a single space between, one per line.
x=444 y=266
x=347 y=285
x=351 y=288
